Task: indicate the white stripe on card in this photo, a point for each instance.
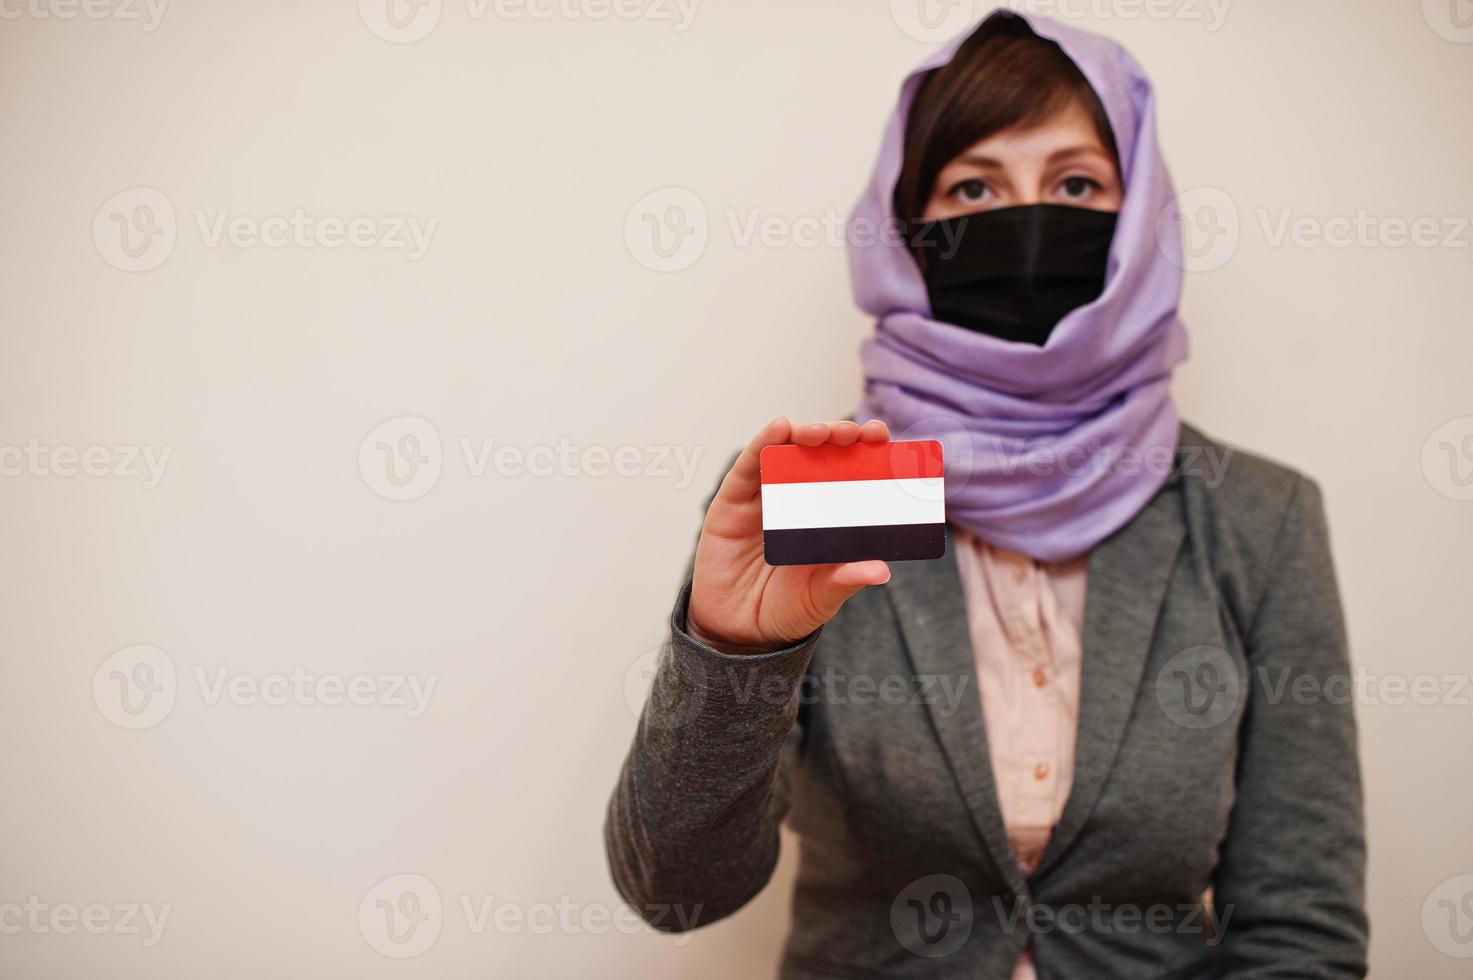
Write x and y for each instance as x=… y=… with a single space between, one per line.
x=853 y=503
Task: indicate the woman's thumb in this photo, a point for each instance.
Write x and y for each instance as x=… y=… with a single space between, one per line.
x=834 y=584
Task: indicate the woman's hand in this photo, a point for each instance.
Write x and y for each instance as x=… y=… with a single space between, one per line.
x=738 y=602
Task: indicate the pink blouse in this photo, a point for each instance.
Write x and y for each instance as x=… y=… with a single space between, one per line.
x=1026 y=620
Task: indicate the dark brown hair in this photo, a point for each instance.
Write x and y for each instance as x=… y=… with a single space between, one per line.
x=1003 y=75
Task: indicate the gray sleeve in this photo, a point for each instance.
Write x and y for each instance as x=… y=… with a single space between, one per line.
x=1290 y=884
x=692 y=828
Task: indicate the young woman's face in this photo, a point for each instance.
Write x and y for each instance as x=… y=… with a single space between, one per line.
x=1058 y=161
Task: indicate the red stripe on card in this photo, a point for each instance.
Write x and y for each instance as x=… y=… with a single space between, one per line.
x=907 y=460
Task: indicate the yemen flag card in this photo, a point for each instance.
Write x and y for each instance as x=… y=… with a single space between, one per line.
x=828 y=503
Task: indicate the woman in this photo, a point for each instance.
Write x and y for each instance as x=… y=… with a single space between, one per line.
x=1065 y=749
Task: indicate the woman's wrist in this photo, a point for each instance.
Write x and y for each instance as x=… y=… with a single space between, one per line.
x=724 y=646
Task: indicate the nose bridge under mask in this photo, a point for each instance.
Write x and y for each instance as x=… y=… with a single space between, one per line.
x=1031 y=238
x=1015 y=272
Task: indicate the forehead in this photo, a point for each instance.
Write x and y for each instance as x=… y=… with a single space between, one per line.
x=1072 y=127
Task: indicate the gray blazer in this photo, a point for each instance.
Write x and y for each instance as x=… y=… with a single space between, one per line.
x=1216 y=749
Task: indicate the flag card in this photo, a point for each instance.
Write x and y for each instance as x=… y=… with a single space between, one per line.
x=828 y=503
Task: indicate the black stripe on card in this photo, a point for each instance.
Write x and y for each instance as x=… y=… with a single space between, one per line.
x=822 y=545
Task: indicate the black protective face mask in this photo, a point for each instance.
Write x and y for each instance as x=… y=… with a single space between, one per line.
x=1014 y=272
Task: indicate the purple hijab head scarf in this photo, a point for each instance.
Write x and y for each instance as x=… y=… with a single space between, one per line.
x=1048 y=449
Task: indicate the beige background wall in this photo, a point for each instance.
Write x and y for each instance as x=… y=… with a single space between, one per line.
x=158 y=750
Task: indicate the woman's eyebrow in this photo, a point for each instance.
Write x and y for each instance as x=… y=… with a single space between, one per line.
x=1069 y=152
x=983 y=161
x=980 y=160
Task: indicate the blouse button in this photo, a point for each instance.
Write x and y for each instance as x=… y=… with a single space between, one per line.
x=1040 y=771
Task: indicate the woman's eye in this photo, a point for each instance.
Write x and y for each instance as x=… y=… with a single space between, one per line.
x=969 y=191
x=1077 y=187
